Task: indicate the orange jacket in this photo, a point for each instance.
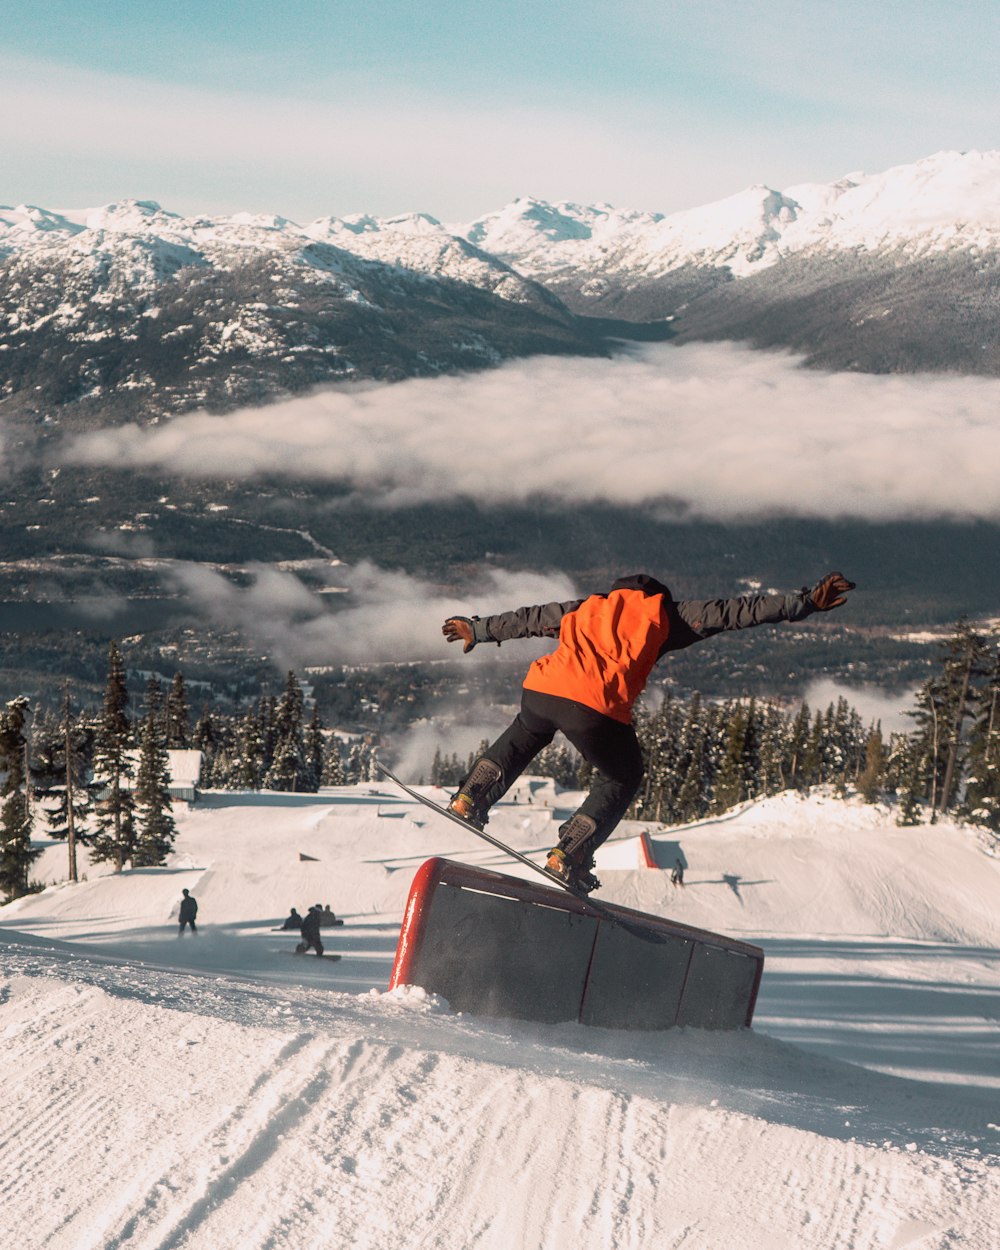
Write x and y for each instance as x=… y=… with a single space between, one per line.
x=609 y=643
x=607 y=649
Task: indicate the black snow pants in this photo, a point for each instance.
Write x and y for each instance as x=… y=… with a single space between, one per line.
x=609 y=746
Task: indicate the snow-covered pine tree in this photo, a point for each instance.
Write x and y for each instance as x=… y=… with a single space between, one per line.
x=907 y=767
x=206 y=740
x=312 y=773
x=59 y=767
x=178 y=732
x=981 y=802
x=245 y=767
x=287 y=768
x=796 y=747
x=267 y=712
x=114 y=806
x=16 y=854
x=964 y=664
x=333 y=764
x=730 y=785
x=155 y=827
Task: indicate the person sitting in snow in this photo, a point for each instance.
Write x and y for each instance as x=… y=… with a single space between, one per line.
x=608 y=644
x=293 y=921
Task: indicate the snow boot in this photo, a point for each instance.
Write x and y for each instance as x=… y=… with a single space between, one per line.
x=571 y=860
x=576 y=876
x=468 y=801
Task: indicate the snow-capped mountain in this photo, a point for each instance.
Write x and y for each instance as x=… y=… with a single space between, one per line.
x=884 y=272
x=129 y=310
x=133 y=310
x=947 y=202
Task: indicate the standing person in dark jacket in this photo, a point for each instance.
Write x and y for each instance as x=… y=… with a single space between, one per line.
x=187 y=913
x=310 y=932
x=608 y=644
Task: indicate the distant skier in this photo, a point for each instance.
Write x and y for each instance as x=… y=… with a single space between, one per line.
x=186 y=914
x=608 y=644
x=293 y=921
x=677 y=873
x=310 y=932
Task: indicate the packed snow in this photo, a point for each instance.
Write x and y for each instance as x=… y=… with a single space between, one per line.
x=217 y=1092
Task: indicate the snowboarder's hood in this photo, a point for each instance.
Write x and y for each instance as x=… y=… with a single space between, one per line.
x=643 y=582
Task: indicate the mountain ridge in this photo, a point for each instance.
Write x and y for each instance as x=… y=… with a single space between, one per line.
x=131 y=311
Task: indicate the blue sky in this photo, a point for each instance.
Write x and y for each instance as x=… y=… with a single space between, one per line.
x=455 y=107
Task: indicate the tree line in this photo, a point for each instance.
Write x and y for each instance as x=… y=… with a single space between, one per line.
x=102 y=779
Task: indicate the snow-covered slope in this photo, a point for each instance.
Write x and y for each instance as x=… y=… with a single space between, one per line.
x=947 y=201
x=129 y=310
x=216 y=1094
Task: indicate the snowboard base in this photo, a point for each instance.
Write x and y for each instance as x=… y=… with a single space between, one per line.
x=486 y=837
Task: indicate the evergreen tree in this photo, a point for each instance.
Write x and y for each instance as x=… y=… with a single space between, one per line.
x=155 y=828
x=312 y=773
x=16 y=854
x=964 y=663
x=981 y=804
x=206 y=740
x=178 y=735
x=773 y=735
x=872 y=778
x=796 y=748
x=114 y=838
x=906 y=762
x=60 y=767
x=245 y=773
x=287 y=770
x=333 y=764
x=730 y=787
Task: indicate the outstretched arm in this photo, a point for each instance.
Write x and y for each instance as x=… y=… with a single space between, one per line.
x=701 y=618
x=540 y=621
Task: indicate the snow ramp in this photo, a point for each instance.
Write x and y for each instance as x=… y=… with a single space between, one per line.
x=499 y=946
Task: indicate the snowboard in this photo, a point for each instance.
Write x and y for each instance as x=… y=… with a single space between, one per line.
x=486 y=837
x=312 y=954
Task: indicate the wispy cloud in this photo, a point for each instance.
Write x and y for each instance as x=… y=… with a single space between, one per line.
x=710 y=430
x=382 y=616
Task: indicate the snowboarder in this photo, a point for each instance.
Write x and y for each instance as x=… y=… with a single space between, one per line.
x=310 y=932
x=677 y=873
x=186 y=914
x=293 y=921
x=608 y=644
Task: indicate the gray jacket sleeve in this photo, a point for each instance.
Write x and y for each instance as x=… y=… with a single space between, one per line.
x=540 y=621
x=701 y=618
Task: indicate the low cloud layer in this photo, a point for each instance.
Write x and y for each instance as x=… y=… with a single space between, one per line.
x=713 y=430
x=873 y=705
x=379 y=616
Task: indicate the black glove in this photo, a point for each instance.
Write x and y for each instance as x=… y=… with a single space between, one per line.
x=460 y=629
x=831 y=592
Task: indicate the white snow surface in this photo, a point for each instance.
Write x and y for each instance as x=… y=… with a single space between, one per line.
x=216 y=1092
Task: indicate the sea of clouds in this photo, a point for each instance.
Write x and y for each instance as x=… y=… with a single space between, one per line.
x=713 y=430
